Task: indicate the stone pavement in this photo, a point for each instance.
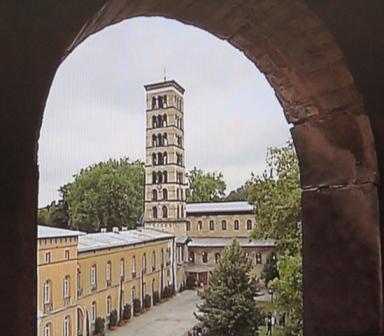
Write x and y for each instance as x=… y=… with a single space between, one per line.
x=172 y=318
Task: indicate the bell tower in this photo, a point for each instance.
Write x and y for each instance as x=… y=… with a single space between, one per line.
x=165 y=178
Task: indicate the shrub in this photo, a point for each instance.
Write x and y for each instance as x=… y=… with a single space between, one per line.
x=136 y=306
x=147 y=301
x=99 y=327
x=127 y=312
x=156 y=297
x=113 y=318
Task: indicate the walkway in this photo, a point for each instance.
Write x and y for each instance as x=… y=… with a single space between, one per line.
x=172 y=318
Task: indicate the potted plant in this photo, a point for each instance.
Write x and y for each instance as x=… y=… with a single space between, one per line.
x=147 y=301
x=136 y=307
x=127 y=312
x=156 y=297
x=99 y=327
x=112 y=325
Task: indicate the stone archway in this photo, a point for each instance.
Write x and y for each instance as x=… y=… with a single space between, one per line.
x=307 y=54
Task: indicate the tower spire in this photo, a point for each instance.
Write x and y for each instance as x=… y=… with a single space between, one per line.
x=165 y=74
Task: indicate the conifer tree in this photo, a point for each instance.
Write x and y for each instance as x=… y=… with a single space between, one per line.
x=229 y=307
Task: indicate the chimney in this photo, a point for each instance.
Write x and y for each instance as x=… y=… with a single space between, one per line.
x=124 y=228
x=103 y=229
x=115 y=229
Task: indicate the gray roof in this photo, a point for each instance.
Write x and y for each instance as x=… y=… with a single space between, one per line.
x=52 y=232
x=219 y=207
x=182 y=239
x=222 y=242
x=103 y=240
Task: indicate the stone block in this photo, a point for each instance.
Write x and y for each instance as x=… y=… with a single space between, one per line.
x=342 y=261
x=335 y=152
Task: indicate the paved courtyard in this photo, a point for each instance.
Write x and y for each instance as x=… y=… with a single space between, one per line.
x=172 y=318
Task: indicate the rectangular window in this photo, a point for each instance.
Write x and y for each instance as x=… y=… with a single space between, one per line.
x=47 y=257
x=224 y=225
x=93 y=276
x=188 y=226
x=66 y=254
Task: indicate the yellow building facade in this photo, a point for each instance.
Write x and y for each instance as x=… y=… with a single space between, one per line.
x=105 y=271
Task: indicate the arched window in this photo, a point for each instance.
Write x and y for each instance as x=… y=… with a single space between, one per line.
x=199 y=225
x=154 y=195
x=66 y=326
x=93 y=312
x=159 y=140
x=159 y=120
x=159 y=158
x=108 y=305
x=164 y=120
x=188 y=226
x=133 y=266
x=154 y=140
x=249 y=224
x=191 y=257
x=165 y=158
x=165 y=101
x=153 y=260
x=154 y=212
x=154 y=177
x=177 y=194
x=48 y=329
x=154 y=159
x=47 y=292
x=154 y=122
x=204 y=257
x=122 y=268
x=108 y=273
x=217 y=257
x=66 y=288
x=236 y=225
x=165 y=194
x=153 y=102
x=258 y=258
x=165 y=176
x=160 y=177
x=165 y=139
x=178 y=212
x=224 y=225
x=144 y=263
x=211 y=225
x=165 y=212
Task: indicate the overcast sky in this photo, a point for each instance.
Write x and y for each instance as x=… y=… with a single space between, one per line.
x=96 y=106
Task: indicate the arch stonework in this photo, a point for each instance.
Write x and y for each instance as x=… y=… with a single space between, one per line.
x=325 y=60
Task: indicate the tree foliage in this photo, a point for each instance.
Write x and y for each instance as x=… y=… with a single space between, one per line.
x=205 y=187
x=229 y=307
x=55 y=214
x=106 y=194
x=277 y=198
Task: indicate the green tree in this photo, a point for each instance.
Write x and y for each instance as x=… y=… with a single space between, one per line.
x=106 y=194
x=270 y=271
x=229 y=307
x=205 y=187
x=55 y=214
x=277 y=197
